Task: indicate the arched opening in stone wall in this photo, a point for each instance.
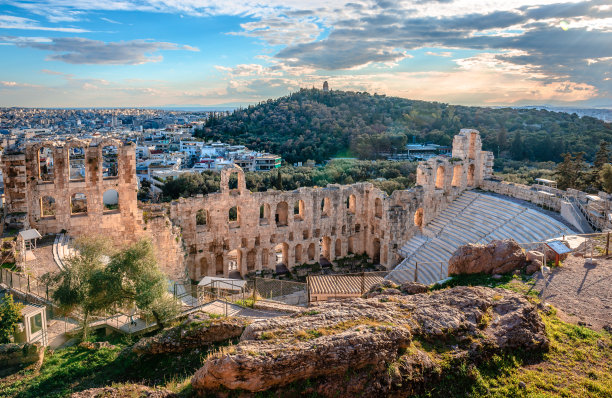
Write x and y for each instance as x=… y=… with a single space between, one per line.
x=234 y=263
x=264 y=214
x=251 y=260
x=311 y=252
x=384 y=255
x=298 y=254
x=326 y=247
x=325 y=207
x=378 y=211
x=351 y=245
x=281 y=252
x=76 y=157
x=110 y=200
x=203 y=271
x=45 y=164
x=338 y=249
x=298 y=210
x=233 y=216
x=457 y=174
x=376 y=251
x=472 y=150
x=418 y=217
x=110 y=165
x=265 y=259
x=440 y=177
x=219 y=265
x=202 y=217
x=351 y=204
x=78 y=203
x=281 y=214
x=470 y=178
x=47 y=206
x=235 y=182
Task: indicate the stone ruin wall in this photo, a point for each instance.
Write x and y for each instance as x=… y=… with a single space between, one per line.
x=330 y=222
x=25 y=189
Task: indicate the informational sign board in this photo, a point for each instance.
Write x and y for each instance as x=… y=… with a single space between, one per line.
x=558 y=247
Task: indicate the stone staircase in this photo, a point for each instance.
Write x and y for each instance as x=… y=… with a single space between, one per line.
x=471 y=218
x=62 y=249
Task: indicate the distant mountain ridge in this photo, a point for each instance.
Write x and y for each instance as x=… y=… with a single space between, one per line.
x=313 y=124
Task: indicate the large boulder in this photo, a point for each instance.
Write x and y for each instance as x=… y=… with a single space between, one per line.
x=195 y=332
x=497 y=257
x=359 y=338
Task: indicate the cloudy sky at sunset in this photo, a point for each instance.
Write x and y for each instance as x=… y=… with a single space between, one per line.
x=77 y=53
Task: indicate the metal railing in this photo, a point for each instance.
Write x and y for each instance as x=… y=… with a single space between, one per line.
x=25 y=284
x=286 y=292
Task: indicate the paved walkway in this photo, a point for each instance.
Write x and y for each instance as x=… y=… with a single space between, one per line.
x=221 y=308
x=581 y=290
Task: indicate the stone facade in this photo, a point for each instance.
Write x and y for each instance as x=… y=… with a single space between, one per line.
x=242 y=231
x=80 y=193
x=234 y=230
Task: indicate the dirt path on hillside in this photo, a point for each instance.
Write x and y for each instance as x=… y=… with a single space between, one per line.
x=581 y=290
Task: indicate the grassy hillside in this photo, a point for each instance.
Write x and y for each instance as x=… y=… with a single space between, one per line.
x=578 y=364
x=312 y=124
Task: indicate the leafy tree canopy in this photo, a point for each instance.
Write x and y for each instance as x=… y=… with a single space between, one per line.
x=317 y=125
x=10 y=315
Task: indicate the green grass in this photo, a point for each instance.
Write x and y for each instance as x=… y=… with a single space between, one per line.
x=575 y=366
x=76 y=369
x=518 y=283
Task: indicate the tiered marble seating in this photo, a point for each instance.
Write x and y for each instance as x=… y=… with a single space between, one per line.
x=471 y=218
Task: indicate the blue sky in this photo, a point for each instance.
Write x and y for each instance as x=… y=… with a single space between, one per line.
x=201 y=52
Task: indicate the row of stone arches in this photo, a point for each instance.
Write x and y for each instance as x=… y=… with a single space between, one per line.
x=77 y=168
x=78 y=203
x=457 y=176
x=282 y=213
x=238 y=261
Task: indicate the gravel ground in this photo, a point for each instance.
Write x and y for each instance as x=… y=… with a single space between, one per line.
x=581 y=290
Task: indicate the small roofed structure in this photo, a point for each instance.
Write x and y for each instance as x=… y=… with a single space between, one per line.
x=225 y=284
x=326 y=287
x=29 y=236
x=26 y=242
x=32 y=327
x=546 y=183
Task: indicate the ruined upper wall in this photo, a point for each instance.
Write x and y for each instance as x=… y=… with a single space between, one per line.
x=49 y=197
x=468 y=167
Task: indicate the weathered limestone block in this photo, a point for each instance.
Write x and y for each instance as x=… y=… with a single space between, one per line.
x=362 y=336
x=498 y=257
x=24 y=354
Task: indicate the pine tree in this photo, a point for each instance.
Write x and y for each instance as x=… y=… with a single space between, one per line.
x=518 y=148
x=606 y=177
x=602 y=156
x=593 y=177
x=569 y=172
x=279 y=181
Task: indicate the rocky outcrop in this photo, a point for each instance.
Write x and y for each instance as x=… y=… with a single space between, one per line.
x=362 y=337
x=388 y=288
x=497 y=257
x=196 y=331
x=124 y=391
x=20 y=355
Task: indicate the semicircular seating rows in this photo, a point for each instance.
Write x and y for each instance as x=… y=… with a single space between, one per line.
x=471 y=218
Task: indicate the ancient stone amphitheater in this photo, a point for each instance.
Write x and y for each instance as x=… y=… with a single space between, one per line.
x=236 y=232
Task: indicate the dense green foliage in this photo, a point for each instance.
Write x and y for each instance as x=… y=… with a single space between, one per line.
x=386 y=175
x=10 y=315
x=131 y=278
x=574 y=172
x=317 y=125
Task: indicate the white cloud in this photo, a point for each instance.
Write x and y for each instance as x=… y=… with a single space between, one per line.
x=76 y=50
x=13 y=22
